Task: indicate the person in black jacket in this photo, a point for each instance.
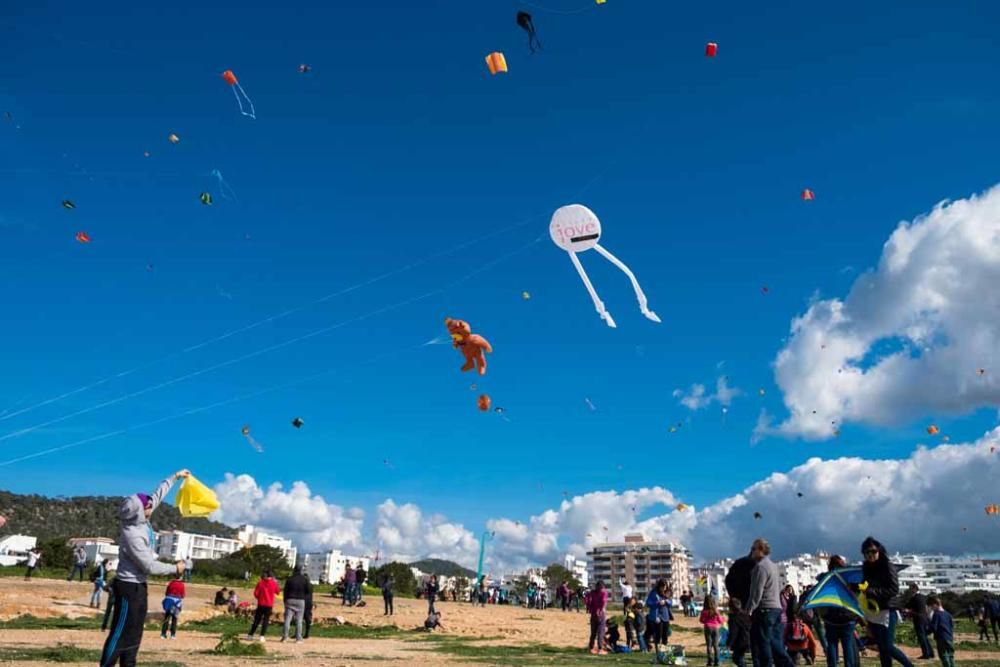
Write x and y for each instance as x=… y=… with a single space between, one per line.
x=883 y=587
x=739 y=632
x=298 y=589
x=917 y=606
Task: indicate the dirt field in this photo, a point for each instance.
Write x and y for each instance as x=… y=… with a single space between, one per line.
x=504 y=626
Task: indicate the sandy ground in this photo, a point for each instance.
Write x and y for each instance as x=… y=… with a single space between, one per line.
x=503 y=625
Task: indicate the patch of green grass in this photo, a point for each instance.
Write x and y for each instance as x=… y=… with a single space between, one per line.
x=230 y=624
x=35 y=623
x=532 y=653
x=977 y=646
x=57 y=653
x=230 y=645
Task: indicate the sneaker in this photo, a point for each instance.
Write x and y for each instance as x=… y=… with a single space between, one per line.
x=173 y=636
x=262 y=640
x=298 y=641
x=163 y=635
x=249 y=638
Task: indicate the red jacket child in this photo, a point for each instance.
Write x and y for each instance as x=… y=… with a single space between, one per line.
x=265 y=591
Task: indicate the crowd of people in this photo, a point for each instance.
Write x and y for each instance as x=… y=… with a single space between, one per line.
x=767 y=624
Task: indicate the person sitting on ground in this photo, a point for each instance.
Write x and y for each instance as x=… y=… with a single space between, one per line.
x=943 y=628
x=613 y=638
x=799 y=641
x=433 y=621
x=172 y=602
x=221 y=597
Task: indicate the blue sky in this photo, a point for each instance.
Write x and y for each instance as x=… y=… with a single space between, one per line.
x=399 y=145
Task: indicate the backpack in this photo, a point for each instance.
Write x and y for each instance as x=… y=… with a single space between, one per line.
x=797 y=632
x=94 y=574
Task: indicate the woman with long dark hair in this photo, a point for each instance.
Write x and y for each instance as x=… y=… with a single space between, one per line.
x=883 y=588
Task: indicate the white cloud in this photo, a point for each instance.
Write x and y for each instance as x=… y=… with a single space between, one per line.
x=697 y=397
x=930 y=501
x=297 y=514
x=909 y=337
x=403 y=533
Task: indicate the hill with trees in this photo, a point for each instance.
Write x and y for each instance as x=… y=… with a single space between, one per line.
x=88 y=516
x=443 y=568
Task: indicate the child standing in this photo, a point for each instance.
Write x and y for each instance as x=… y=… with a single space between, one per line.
x=265 y=592
x=172 y=601
x=739 y=632
x=711 y=621
x=34 y=555
x=943 y=628
x=984 y=625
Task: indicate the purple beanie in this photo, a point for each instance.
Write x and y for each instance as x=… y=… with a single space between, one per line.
x=143 y=498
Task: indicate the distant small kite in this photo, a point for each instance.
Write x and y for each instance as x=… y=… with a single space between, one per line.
x=253 y=442
x=239 y=93
x=304 y=69
x=205 y=198
x=711 y=49
x=83 y=237
x=173 y=138
x=807 y=195
x=524 y=21
x=68 y=205
x=496 y=62
x=297 y=422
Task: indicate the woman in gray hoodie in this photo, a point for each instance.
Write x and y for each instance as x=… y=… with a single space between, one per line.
x=136 y=560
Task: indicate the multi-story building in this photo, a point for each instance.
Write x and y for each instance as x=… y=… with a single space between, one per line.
x=174 y=545
x=14 y=549
x=97 y=548
x=328 y=567
x=177 y=545
x=253 y=537
x=803 y=571
x=641 y=563
x=578 y=568
x=935 y=573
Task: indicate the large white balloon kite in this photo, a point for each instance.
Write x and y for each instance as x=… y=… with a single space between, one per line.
x=575 y=228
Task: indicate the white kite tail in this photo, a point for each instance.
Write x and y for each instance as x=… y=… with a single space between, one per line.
x=601 y=310
x=639 y=294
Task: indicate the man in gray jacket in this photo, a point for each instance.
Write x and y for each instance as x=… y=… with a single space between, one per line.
x=764 y=607
x=136 y=560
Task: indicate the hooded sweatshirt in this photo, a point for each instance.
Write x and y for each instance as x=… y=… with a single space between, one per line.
x=136 y=558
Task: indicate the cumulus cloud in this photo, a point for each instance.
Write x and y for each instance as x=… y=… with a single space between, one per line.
x=910 y=335
x=307 y=519
x=931 y=501
x=404 y=533
x=696 y=397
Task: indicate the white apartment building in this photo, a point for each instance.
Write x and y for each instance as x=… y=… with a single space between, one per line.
x=936 y=573
x=578 y=568
x=328 y=567
x=641 y=563
x=803 y=571
x=174 y=545
x=98 y=548
x=253 y=537
x=14 y=549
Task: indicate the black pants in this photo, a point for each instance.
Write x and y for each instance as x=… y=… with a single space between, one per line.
x=78 y=566
x=995 y=621
x=388 y=604
x=109 y=608
x=122 y=645
x=920 y=628
x=27 y=575
x=169 y=621
x=261 y=617
x=307 y=620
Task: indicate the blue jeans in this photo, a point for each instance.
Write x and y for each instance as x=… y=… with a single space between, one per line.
x=766 y=640
x=885 y=637
x=920 y=628
x=844 y=636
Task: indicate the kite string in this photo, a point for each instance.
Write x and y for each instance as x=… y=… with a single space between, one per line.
x=272 y=318
x=269 y=348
